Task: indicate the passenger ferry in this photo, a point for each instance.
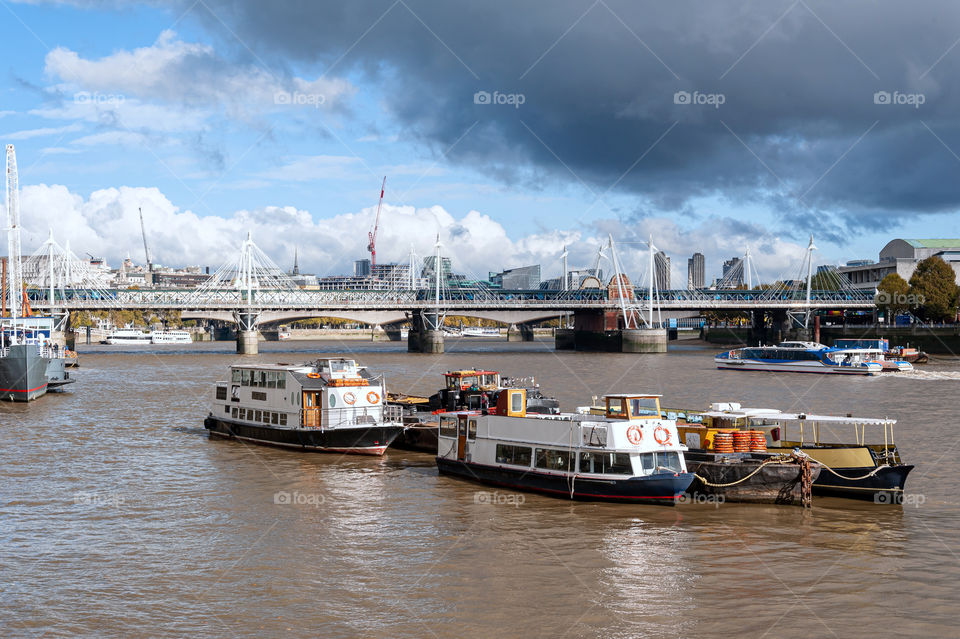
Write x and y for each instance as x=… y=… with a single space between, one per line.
x=127 y=335
x=800 y=357
x=863 y=465
x=629 y=454
x=331 y=405
x=480 y=331
x=877 y=350
x=171 y=337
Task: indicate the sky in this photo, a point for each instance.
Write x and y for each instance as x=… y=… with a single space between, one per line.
x=507 y=128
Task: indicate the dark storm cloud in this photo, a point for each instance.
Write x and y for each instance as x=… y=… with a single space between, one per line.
x=799 y=124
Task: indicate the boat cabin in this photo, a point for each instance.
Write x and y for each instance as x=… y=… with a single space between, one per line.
x=472 y=380
x=623 y=406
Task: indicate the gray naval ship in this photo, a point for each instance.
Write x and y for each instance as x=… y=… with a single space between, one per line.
x=30 y=365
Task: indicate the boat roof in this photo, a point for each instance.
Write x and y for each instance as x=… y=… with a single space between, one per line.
x=471 y=371
x=779 y=416
x=629 y=395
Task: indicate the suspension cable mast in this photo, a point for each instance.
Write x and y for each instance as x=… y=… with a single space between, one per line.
x=372 y=235
x=146 y=249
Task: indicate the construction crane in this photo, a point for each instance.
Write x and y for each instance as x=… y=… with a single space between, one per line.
x=146 y=250
x=372 y=246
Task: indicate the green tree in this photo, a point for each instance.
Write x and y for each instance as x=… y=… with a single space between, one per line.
x=934 y=289
x=893 y=295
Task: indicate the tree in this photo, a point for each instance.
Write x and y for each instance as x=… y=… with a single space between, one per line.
x=933 y=287
x=893 y=295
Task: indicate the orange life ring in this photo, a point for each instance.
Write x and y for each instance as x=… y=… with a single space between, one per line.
x=313 y=375
x=634 y=435
x=373 y=398
x=349 y=398
x=666 y=435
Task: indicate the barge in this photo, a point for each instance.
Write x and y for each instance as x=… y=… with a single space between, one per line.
x=629 y=454
x=331 y=405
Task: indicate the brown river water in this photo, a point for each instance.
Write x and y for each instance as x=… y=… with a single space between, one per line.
x=120 y=518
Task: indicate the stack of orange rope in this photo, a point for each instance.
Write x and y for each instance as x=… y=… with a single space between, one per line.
x=741 y=441
x=758 y=443
x=723 y=443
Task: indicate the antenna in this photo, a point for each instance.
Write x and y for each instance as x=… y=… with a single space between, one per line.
x=372 y=235
x=146 y=250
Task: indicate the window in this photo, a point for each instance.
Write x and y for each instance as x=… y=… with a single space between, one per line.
x=237 y=375
x=515 y=455
x=245 y=379
x=448 y=427
x=553 y=459
x=614 y=407
x=226 y=408
x=234 y=412
x=472 y=429
x=274 y=418
x=516 y=402
x=221 y=392
x=644 y=407
x=283 y=419
x=665 y=462
x=243 y=413
x=259 y=395
x=266 y=417
x=606 y=463
x=281 y=380
x=257 y=415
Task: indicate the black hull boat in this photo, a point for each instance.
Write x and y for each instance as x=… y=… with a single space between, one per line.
x=740 y=478
x=372 y=440
x=881 y=485
x=23 y=373
x=665 y=488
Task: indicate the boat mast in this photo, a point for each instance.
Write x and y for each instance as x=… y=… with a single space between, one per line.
x=15 y=275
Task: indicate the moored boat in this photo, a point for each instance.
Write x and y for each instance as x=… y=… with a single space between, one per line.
x=127 y=335
x=799 y=357
x=331 y=405
x=629 y=454
x=172 y=336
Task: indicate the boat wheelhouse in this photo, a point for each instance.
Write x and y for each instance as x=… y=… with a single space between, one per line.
x=629 y=454
x=331 y=405
x=799 y=357
x=864 y=465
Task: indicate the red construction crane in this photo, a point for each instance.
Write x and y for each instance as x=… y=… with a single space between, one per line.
x=372 y=246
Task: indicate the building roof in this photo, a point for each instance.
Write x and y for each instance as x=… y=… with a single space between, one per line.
x=934 y=243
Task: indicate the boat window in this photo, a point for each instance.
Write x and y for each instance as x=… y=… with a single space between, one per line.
x=274 y=418
x=472 y=429
x=283 y=419
x=469 y=381
x=236 y=375
x=615 y=407
x=662 y=462
x=606 y=463
x=221 y=392
x=516 y=402
x=553 y=459
x=281 y=380
x=514 y=455
x=647 y=463
x=259 y=395
x=226 y=408
x=245 y=378
x=448 y=426
x=271 y=379
x=257 y=415
x=234 y=412
x=644 y=406
x=243 y=413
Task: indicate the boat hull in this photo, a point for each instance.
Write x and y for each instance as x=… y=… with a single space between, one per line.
x=798 y=367
x=422 y=438
x=361 y=440
x=23 y=374
x=884 y=487
x=653 y=489
x=773 y=484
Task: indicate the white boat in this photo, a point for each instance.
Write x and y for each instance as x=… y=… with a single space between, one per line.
x=631 y=453
x=283 y=335
x=171 y=337
x=799 y=357
x=480 y=331
x=875 y=350
x=127 y=335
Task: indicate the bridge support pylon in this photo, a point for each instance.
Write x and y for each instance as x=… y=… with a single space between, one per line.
x=643 y=340
x=248 y=337
x=520 y=333
x=423 y=336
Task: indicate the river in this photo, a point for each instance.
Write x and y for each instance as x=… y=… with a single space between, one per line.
x=120 y=518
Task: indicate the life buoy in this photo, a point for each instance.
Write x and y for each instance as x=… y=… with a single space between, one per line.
x=373 y=398
x=313 y=375
x=662 y=435
x=634 y=435
x=349 y=398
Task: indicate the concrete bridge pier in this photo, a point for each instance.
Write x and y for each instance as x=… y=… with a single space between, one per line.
x=248 y=337
x=758 y=328
x=520 y=333
x=378 y=334
x=643 y=340
x=423 y=338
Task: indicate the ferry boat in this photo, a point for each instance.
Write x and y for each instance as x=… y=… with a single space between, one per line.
x=468 y=389
x=877 y=350
x=799 y=357
x=331 y=405
x=127 y=335
x=480 y=331
x=171 y=337
x=629 y=454
x=852 y=468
